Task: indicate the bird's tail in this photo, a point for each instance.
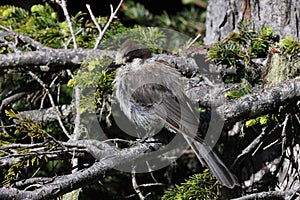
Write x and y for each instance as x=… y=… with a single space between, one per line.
x=210 y=159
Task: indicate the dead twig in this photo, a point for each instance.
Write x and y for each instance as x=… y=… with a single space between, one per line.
x=102 y=31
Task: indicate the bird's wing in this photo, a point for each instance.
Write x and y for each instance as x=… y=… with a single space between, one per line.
x=186 y=123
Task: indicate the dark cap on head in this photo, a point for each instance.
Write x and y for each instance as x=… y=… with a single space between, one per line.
x=130 y=50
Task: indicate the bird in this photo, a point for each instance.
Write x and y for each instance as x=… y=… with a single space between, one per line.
x=151 y=95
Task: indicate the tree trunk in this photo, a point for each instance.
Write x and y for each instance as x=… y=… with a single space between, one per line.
x=222 y=17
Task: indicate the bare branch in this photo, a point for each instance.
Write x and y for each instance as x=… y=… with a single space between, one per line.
x=93 y=18
x=283 y=134
x=193 y=41
x=27 y=182
x=26 y=39
x=58 y=115
x=251 y=146
x=63 y=5
x=271 y=194
x=261 y=102
x=136 y=186
x=11 y=99
x=255 y=104
x=53 y=59
x=112 y=16
x=48 y=114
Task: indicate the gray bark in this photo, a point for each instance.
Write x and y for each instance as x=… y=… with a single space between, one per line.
x=49 y=59
x=223 y=16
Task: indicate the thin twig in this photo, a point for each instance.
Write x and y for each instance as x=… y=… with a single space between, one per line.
x=296 y=193
x=63 y=5
x=251 y=146
x=22 y=146
x=151 y=184
x=66 y=44
x=56 y=153
x=102 y=109
x=283 y=134
x=93 y=18
x=102 y=31
x=26 y=182
x=255 y=144
x=58 y=93
x=135 y=185
x=33 y=185
x=58 y=115
x=43 y=100
x=193 y=41
x=11 y=99
x=271 y=144
x=76 y=132
x=151 y=170
x=118 y=140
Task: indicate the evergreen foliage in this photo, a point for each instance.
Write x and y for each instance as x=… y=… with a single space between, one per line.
x=30 y=160
x=42 y=24
x=95 y=78
x=240 y=48
x=189 y=21
x=198 y=187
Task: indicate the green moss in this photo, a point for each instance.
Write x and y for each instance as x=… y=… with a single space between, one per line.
x=289 y=45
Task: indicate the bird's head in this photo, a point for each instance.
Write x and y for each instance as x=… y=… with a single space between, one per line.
x=130 y=50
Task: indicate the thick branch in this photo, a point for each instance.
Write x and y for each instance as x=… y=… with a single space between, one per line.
x=57 y=59
x=262 y=102
x=270 y=194
x=48 y=114
x=53 y=59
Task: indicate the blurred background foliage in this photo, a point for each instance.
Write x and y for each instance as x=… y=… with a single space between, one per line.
x=190 y=20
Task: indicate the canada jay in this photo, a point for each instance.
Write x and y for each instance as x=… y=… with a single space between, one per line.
x=151 y=94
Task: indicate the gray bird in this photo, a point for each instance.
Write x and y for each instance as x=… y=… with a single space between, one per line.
x=151 y=95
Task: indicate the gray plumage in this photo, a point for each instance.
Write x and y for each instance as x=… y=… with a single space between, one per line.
x=151 y=94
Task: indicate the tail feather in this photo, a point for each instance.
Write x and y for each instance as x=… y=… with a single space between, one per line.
x=211 y=160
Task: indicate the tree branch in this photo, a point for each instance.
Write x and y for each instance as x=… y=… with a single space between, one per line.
x=270 y=194
x=53 y=59
x=48 y=114
x=261 y=102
